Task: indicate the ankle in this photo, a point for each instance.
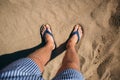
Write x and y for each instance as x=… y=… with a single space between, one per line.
x=50 y=45
x=70 y=45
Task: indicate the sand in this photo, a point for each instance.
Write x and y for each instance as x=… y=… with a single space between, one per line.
x=99 y=51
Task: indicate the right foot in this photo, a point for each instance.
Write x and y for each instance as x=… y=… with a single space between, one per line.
x=74 y=38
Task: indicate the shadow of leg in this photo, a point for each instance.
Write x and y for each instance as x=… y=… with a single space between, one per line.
x=58 y=50
x=11 y=57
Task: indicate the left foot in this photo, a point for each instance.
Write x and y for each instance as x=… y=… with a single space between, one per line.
x=48 y=38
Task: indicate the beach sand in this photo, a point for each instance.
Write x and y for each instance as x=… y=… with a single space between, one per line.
x=99 y=52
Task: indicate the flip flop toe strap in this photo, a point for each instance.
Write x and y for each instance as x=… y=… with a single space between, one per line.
x=47 y=32
x=76 y=33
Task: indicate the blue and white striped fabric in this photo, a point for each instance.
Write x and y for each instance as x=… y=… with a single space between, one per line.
x=69 y=74
x=27 y=69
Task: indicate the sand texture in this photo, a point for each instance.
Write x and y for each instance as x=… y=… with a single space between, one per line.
x=99 y=51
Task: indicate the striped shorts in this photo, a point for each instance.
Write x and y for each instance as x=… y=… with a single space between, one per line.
x=27 y=69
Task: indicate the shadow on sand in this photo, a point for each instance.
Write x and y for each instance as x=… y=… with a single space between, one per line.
x=11 y=57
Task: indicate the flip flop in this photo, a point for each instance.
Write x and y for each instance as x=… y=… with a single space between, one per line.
x=78 y=35
x=46 y=32
x=75 y=33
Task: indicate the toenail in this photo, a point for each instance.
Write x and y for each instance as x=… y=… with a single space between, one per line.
x=47 y=25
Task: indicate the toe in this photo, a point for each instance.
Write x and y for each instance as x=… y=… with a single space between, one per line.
x=43 y=30
x=75 y=28
x=48 y=27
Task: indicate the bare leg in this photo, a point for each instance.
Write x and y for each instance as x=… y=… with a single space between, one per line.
x=71 y=59
x=42 y=55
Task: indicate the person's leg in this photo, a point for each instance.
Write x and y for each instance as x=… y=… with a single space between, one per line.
x=71 y=59
x=42 y=55
x=26 y=68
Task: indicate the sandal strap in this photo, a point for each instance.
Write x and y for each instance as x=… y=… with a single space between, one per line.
x=47 y=32
x=75 y=33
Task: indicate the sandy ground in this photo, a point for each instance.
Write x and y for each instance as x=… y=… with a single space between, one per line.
x=99 y=52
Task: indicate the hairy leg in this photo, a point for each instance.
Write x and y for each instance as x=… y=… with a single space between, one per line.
x=42 y=55
x=71 y=59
